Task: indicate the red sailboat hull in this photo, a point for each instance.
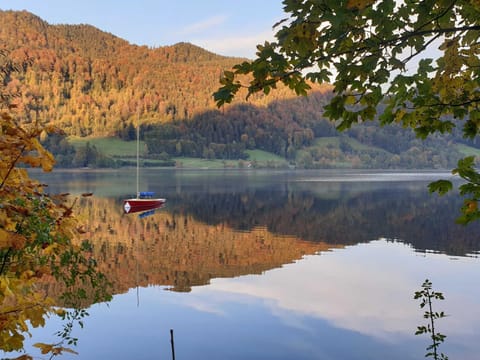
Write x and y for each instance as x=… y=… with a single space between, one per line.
x=136 y=205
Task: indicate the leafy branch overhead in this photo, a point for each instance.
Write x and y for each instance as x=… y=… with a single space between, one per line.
x=417 y=61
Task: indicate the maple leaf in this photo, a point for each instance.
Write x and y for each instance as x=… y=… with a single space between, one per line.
x=53 y=349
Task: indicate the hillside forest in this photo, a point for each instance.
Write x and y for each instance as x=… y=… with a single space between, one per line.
x=95 y=85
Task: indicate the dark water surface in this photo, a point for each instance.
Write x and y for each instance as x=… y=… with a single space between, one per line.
x=274 y=265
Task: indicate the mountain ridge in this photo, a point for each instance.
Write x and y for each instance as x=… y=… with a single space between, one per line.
x=91 y=82
x=25 y=20
x=94 y=84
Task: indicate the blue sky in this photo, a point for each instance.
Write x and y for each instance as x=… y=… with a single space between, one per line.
x=226 y=27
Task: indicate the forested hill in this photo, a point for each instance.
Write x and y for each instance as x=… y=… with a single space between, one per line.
x=94 y=83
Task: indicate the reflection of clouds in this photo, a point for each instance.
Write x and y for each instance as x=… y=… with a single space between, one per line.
x=381 y=177
x=206 y=307
x=367 y=288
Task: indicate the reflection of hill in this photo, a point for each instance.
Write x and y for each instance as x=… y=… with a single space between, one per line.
x=179 y=251
x=202 y=235
x=411 y=215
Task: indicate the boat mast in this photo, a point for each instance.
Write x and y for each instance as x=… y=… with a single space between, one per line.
x=138 y=150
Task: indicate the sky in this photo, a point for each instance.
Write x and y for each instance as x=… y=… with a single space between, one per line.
x=225 y=27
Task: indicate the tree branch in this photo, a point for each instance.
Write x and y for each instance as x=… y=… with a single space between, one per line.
x=12 y=166
x=399 y=39
x=469 y=102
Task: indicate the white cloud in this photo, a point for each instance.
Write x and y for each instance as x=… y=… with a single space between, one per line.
x=240 y=46
x=204 y=25
x=361 y=289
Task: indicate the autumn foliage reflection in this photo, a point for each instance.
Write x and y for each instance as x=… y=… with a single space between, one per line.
x=178 y=251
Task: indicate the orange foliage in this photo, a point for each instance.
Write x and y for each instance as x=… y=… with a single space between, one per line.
x=92 y=83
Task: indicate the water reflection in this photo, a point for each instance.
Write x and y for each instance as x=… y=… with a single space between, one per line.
x=343 y=209
x=293 y=263
x=177 y=250
x=350 y=303
x=361 y=289
x=345 y=216
x=249 y=223
x=336 y=212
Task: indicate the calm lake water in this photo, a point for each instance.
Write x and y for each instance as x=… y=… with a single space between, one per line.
x=274 y=265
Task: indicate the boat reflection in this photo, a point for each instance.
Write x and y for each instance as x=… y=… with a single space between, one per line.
x=149 y=212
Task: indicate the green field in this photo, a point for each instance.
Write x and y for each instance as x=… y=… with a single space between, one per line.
x=335 y=142
x=264 y=156
x=109 y=145
x=259 y=157
x=126 y=150
x=197 y=163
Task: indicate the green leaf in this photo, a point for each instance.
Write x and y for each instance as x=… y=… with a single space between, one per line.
x=440 y=186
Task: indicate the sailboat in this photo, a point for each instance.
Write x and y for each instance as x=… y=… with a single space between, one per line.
x=144 y=200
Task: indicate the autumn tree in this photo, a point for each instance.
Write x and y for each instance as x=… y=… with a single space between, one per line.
x=39 y=237
x=417 y=61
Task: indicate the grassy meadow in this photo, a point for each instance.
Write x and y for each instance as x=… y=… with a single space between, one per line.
x=127 y=150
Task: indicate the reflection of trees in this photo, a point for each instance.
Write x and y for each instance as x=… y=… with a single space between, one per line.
x=204 y=235
x=176 y=250
x=411 y=215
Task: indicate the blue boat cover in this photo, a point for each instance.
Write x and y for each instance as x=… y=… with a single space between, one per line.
x=146 y=193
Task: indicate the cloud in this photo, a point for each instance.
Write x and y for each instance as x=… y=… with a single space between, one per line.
x=367 y=289
x=204 y=25
x=240 y=46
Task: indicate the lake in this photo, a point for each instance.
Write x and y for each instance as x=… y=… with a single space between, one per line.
x=274 y=265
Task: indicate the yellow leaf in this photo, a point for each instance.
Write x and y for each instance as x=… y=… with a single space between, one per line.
x=28 y=274
x=48 y=161
x=4 y=239
x=59 y=350
x=7 y=223
x=44 y=348
x=10 y=239
x=55 y=350
x=18 y=241
x=33 y=161
x=24 y=357
x=50 y=249
x=37 y=317
x=16 y=341
x=399 y=115
x=471 y=206
x=5 y=286
x=350 y=100
x=60 y=312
